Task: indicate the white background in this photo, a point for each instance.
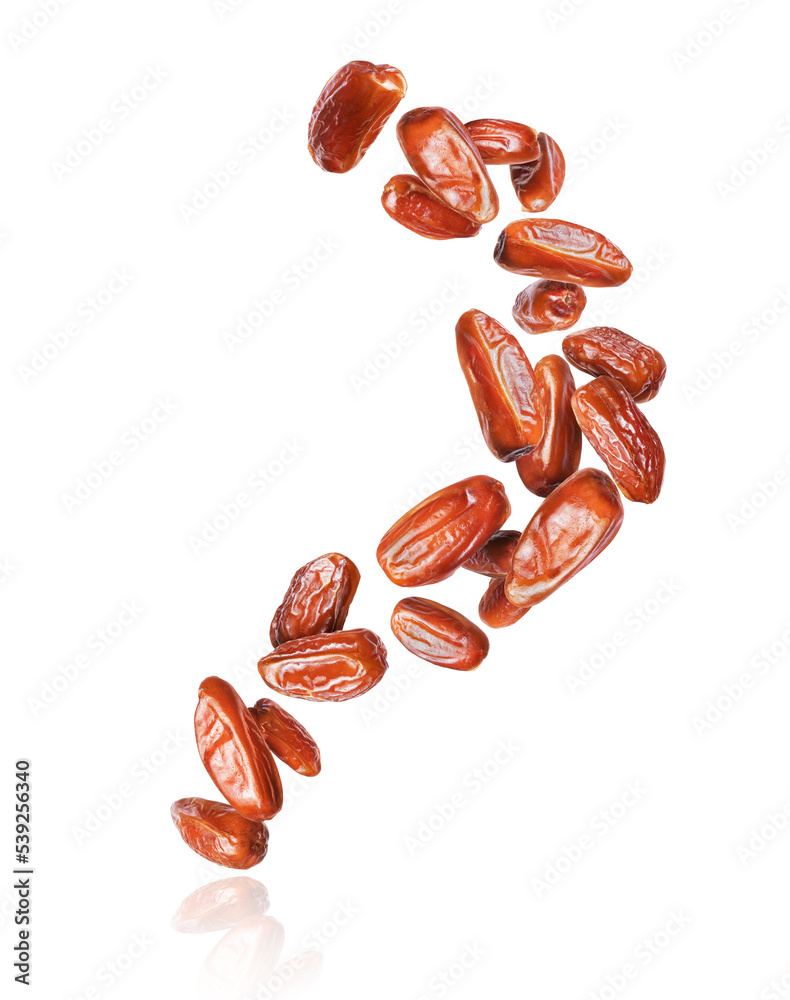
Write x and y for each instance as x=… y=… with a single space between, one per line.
x=655 y=111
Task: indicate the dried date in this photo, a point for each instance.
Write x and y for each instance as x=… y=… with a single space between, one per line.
x=219 y=834
x=317 y=600
x=408 y=201
x=501 y=142
x=287 y=738
x=549 y=305
x=439 y=634
x=604 y=350
x=538 y=183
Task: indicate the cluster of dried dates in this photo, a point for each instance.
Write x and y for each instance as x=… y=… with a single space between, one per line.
x=535 y=418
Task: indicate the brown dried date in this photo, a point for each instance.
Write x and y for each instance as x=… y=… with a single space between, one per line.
x=439 y=634
x=549 y=305
x=538 y=183
x=287 y=738
x=558 y=452
x=564 y=251
x=501 y=383
x=603 y=350
x=622 y=436
x=500 y=141
x=408 y=201
x=351 y=110
x=437 y=536
x=219 y=834
x=317 y=600
x=495 y=609
x=333 y=666
x=442 y=154
x=572 y=526
x=493 y=558
x=235 y=753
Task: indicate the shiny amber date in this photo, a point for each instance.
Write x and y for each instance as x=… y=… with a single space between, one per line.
x=441 y=152
x=333 y=666
x=538 y=183
x=351 y=110
x=287 y=738
x=219 y=834
x=549 y=305
x=558 y=452
x=439 y=634
x=493 y=558
x=501 y=383
x=564 y=251
x=500 y=141
x=317 y=600
x=433 y=539
x=572 y=526
x=235 y=753
x=408 y=201
x=603 y=350
x=495 y=609
x=622 y=436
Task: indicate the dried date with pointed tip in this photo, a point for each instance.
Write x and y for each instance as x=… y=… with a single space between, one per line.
x=501 y=383
x=439 y=634
x=604 y=350
x=351 y=110
x=558 y=453
x=287 y=738
x=549 y=305
x=500 y=141
x=235 y=753
x=219 y=834
x=538 y=183
x=408 y=201
x=495 y=609
x=572 y=526
x=333 y=666
x=493 y=558
x=317 y=600
x=562 y=251
x=622 y=436
x=442 y=154
x=438 y=535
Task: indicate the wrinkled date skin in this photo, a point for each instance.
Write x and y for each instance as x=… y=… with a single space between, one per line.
x=622 y=436
x=500 y=141
x=334 y=666
x=219 y=834
x=441 y=152
x=495 y=609
x=538 y=183
x=564 y=251
x=439 y=634
x=351 y=110
x=559 y=451
x=220 y=905
x=501 y=383
x=235 y=753
x=493 y=558
x=317 y=600
x=437 y=536
x=603 y=350
x=408 y=201
x=545 y=305
x=287 y=738
x=572 y=526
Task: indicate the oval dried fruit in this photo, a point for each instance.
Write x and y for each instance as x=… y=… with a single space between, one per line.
x=549 y=305
x=439 y=634
x=317 y=600
x=538 y=183
x=219 y=834
x=495 y=609
x=408 y=201
x=604 y=350
x=500 y=141
x=287 y=738
x=493 y=558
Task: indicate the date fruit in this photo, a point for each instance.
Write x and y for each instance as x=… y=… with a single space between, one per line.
x=622 y=436
x=433 y=539
x=351 y=110
x=408 y=201
x=572 y=526
x=219 y=834
x=501 y=383
x=500 y=141
x=603 y=350
x=333 y=666
x=439 y=634
x=442 y=154
x=564 y=251
x=287 y=738
x=495 y=609
x=493 y=558
x=538 y=183
x=317 y=600
x=549 y=305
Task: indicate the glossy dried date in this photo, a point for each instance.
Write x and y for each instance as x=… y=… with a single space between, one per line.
x=351 y=110
x=538 y=183
x=408 y=201
x=287 y=738
x=333 y=666
x=235 y=753
x=549 y=305
x=603 y=350
x=495 y=609
x=500 y=141
x=437 y=536
x=441 y=152
x=219 y=834
x=317 y=600
x=572 y=526
x=564 y=251
x=622 y=436
x=501 y=383
x=493 y=558
x=439 y=634
x=558 y=452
